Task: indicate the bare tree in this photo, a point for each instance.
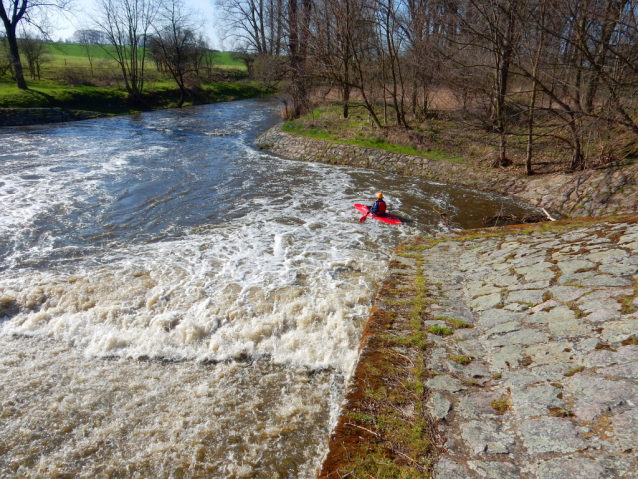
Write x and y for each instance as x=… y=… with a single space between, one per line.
x=176 y=44
x=508 y=63
x=5 y=57
x=90 y=41
x=255 y=25
x=34 y=50
x=126 y=24
x=12 y=12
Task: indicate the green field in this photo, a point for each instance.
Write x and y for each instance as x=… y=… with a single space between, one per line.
x=68 y=82
x=76 y=54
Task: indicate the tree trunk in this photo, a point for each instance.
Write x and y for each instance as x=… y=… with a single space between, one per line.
x=346 y=100
x=578 y=160
x=530 y=130
x=15 y=57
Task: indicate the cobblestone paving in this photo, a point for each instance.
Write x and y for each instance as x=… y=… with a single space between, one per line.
x=542 y=381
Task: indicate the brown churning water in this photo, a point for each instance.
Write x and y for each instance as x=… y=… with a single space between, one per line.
x=174 y=303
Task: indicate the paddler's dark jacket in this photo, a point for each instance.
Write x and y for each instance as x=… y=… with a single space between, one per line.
x=378 y=208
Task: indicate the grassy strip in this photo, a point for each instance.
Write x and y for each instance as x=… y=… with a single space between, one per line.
x=69 y=50
x=342 y=131
x=385 y=432
x=68 y=81
x=49 y=94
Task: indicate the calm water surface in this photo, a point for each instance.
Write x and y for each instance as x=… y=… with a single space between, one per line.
x=176 y=303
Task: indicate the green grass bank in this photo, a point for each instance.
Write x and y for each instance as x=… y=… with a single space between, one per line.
x=70 y=80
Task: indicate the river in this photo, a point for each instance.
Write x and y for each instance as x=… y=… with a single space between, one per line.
x=175 y=303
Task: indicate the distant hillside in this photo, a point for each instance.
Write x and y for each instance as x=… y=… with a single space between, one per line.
x=61 y=50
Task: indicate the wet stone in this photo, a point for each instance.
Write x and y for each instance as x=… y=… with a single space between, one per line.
x=568 y=328
x=562 y=313
x=617 y=331
x=620 y=269
x=486 y=436
x=448 y=469
x=544 y=284
x=492 y=317
x=603 y=315
x=439 y=406
x=443 y=382
x=516 y=307
x=464 y=315
x=551 y=372
x=550 y=352
x=608 y=280
x=595 y=395
x=479 y=405
x=522 y=337
x=570 y=267
x=504 y=328
x=505 y=280
x=576 y=278
x=472 y=348
x=533 y=296
x=537 y=265
x=569 y=468
x=589 y=305
x=530 y=264
x=507 y=357
x=571 y=237
x=486 y=302
x=629 y=371
x=430 y=324
x=626 y=428
x=550 y=434
x=539 y=275
x=535 y=400
x=495 y=470
x=568 y=293
x=482 y=290
x=607 y=254
x=586 y=345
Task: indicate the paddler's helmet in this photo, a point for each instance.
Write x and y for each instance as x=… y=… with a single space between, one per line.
x=379 y=195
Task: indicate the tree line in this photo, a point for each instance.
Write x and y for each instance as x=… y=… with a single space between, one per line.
x=130 y=32
x=510 y=63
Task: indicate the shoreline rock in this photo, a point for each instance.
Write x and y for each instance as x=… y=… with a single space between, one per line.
x=531 y=362
x=37 y=116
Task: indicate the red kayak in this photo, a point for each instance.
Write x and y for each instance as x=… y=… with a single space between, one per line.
x=392 y=220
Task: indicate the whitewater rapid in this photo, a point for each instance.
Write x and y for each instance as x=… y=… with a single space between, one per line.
x=176 y=303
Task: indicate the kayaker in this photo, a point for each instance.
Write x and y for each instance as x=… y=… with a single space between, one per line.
x=378 y=208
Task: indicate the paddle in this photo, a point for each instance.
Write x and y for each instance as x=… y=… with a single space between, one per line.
x=363 y=218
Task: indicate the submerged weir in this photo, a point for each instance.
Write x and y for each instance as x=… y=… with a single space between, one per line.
x=176 y=303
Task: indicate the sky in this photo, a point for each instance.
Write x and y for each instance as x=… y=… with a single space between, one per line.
x=82 y=9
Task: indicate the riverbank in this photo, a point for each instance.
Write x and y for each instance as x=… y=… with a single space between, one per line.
x=606 y=191
x=44 y=105
x=507 y=353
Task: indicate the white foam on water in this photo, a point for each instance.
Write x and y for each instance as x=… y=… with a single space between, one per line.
x=281 y=283
x=64 y=415
x=221 y=352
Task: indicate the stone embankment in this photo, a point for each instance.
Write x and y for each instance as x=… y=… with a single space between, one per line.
x=36 y=116
x=601 y=192
x=531 y=367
